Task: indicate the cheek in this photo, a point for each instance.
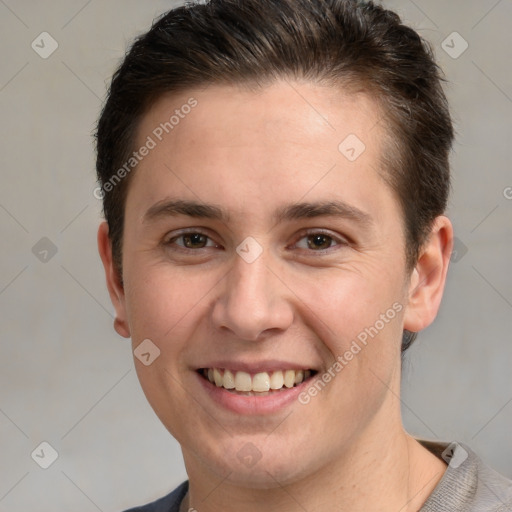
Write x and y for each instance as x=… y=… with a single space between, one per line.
x=357 y=317
x=359 y=320
x=345 y=302
x=164 y=302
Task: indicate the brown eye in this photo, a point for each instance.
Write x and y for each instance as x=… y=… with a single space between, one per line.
x=319 y=241
x=191 y=240
x=194 y=240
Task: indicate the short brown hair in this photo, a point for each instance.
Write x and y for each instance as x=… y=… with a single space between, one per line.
x=351 y=43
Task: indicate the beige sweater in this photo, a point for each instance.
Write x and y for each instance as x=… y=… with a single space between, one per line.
x=468 y=485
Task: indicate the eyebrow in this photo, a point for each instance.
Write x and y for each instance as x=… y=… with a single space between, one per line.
x=307 y=210
x=195 y=209
x=289 y=212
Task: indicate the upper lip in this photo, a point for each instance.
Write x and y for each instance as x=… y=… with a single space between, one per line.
x=252 y=367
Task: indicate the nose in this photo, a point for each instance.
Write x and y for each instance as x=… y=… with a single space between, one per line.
x=253 y=301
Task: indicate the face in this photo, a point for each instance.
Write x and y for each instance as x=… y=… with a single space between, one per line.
x=255 y=244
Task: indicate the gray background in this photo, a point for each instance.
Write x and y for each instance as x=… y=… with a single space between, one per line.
x=68 y=379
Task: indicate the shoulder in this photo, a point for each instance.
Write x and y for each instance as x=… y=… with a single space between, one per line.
x=468 y=485
x=169 y=503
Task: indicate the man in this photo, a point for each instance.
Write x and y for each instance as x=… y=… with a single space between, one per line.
x=274 y=176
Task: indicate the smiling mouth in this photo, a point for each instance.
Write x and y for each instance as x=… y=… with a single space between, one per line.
x=259 y=384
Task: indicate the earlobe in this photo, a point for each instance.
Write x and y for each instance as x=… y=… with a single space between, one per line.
x=429 y=277
x=114 y=285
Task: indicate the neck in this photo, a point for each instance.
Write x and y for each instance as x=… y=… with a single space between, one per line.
x=377 y=472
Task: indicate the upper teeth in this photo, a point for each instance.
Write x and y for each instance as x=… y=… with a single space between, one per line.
x=263 y=381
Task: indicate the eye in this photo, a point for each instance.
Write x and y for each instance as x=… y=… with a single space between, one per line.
x=191 y=240
x=319 y=241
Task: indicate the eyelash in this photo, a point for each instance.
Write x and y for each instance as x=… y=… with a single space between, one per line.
x=309 y=233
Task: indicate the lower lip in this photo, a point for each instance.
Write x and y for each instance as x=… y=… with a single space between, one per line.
x=253 y=405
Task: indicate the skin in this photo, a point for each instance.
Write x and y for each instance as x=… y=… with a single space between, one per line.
x=251 y=152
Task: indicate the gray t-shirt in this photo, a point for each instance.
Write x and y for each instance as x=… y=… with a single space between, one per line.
x=468 y=485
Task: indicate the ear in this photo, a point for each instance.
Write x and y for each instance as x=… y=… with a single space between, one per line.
x=429 y=276
x=114 y=285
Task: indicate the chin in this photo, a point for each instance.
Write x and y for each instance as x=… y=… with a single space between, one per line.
x=242 y=463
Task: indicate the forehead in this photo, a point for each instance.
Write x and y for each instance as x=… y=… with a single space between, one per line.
x=267 y=114
x=240 y=145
